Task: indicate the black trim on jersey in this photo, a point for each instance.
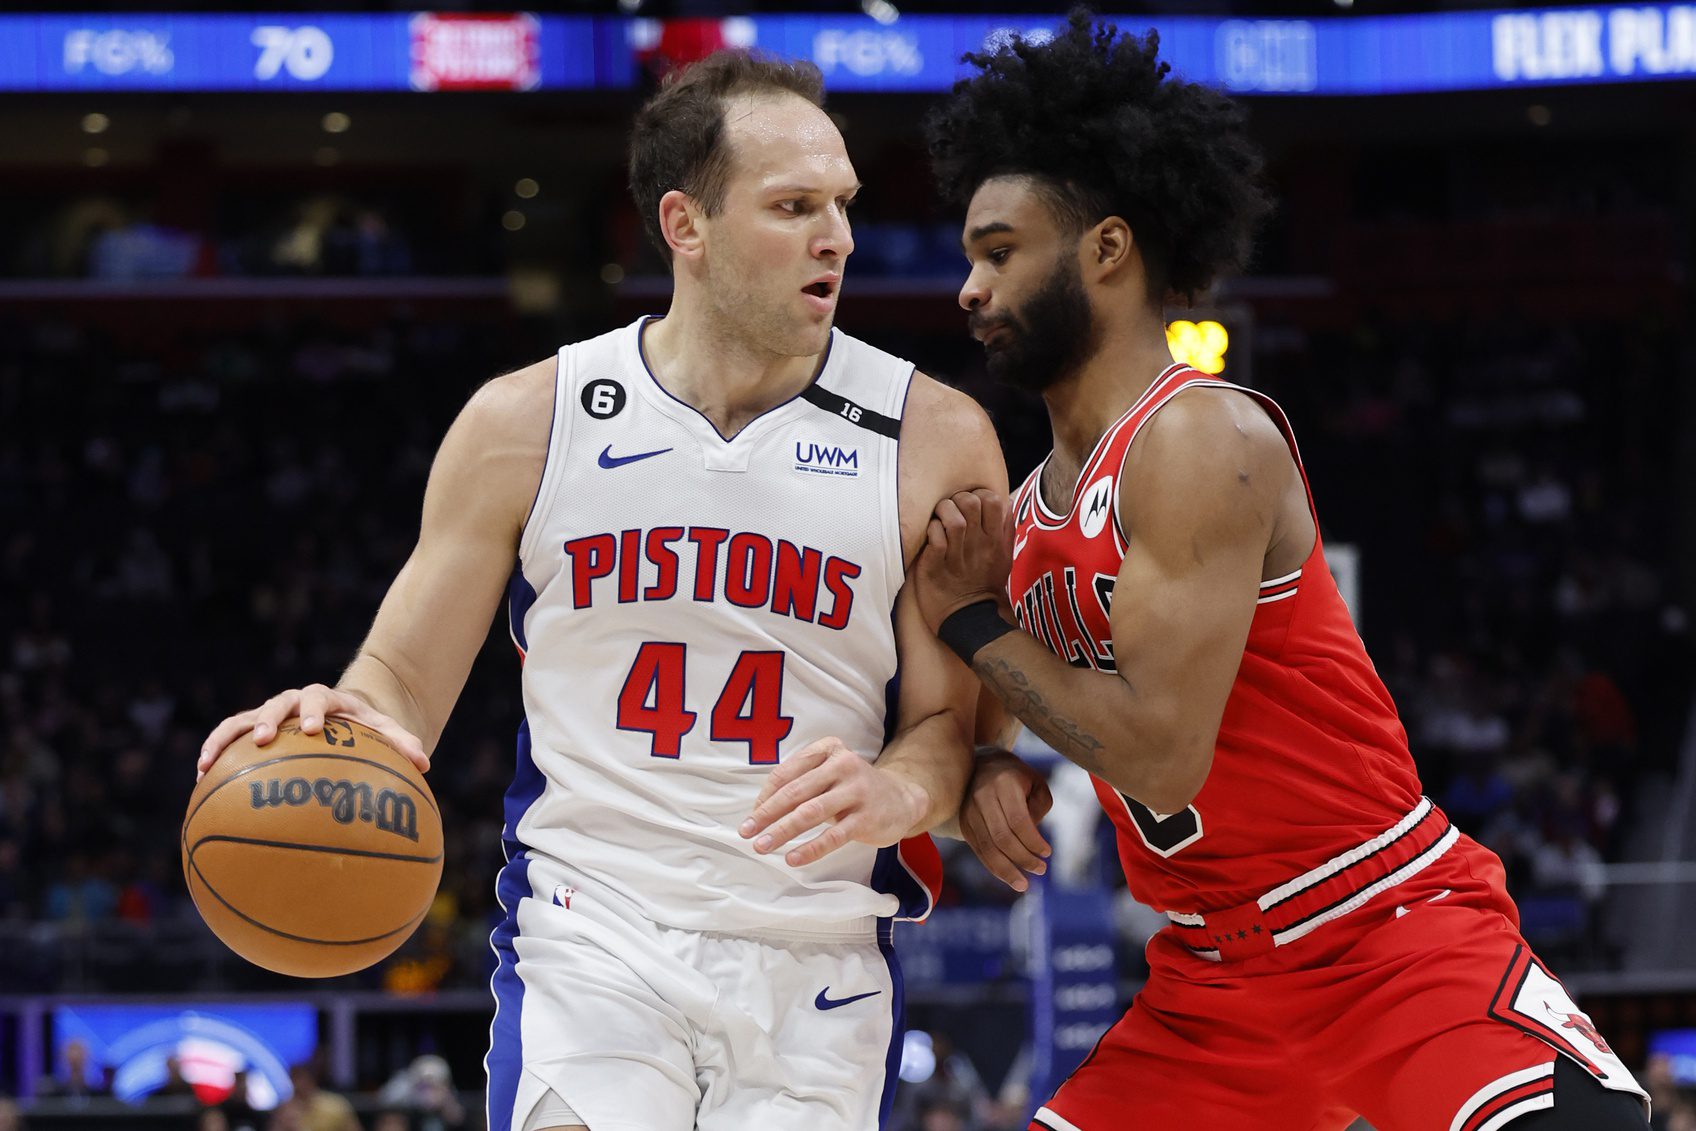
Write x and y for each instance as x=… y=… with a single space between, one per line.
x=840 y=406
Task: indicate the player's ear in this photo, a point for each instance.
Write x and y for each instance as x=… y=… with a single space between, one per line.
x=1109 y=246
x=680 y=223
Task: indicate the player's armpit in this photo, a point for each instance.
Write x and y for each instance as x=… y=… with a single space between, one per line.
x=436 y=615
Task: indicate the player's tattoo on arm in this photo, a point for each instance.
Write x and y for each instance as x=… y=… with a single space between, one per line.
x=1026 y=702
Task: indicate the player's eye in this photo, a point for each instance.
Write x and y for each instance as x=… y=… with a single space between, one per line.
x=792 y=207
x=999 y=255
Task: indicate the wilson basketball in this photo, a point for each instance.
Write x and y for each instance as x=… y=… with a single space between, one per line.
x=315 y=855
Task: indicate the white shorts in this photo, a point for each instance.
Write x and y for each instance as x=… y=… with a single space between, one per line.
x=640 y=1027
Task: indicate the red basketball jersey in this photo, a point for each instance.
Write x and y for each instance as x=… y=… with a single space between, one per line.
x=1311 y=769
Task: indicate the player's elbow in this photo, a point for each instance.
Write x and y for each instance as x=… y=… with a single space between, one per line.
x=1181 y=781
x=1165 y=769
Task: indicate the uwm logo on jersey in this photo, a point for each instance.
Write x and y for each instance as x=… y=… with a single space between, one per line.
x=1073 y=625
x=710 y=563
x=827 y=459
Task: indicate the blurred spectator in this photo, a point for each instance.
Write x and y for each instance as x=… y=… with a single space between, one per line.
x=953 y=1091
x=320 y=1110
x=236 y=1109
x=1671 y=1108
x=290 y=1115
x=175 y=1083
x=425 y=1090
x=11 y=1119
x=79 y=1078
x=938 y=1114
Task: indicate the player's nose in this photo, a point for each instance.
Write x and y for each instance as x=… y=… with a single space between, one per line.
x=836 y=237
x=974 y=292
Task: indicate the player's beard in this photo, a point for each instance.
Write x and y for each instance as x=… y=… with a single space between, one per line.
x=1048 y=339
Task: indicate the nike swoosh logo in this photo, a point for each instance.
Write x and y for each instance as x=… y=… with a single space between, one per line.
x=824 y=1002
x=609 y=460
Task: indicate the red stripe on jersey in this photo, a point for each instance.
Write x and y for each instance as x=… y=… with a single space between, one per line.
x=1509 y=1098
x=919 y=855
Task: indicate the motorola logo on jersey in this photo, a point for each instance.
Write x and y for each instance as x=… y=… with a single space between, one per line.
x=709 y=563
x=1097 y=505
x=821 y=459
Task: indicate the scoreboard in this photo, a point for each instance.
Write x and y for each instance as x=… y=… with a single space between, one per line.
x=427 y=51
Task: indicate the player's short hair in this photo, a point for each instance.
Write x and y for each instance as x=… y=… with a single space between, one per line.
x=1096 y=119
x=678 y=140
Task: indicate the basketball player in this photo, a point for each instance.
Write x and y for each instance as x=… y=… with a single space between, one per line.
x=1336 y=946
x=711 y=528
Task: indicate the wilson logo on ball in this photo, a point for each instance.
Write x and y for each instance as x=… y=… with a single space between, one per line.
x=347 y=802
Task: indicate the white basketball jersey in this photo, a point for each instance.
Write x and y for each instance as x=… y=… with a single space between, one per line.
x=691 y=609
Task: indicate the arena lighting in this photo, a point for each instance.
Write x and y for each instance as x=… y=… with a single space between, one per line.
x=526 y=187
x=95 y=123
x=1199 y=344
x=880 y=10
x=336 y=122
x=918 y=1057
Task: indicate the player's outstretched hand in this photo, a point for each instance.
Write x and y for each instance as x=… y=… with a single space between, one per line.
x=967 y=556
x=311 y=703
x=827 y=783
x=1004 y=802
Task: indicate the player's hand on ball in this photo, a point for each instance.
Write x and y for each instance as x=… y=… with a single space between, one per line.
x=967 y=556
x=998 y=819
x=826 y=783
x=312 y=703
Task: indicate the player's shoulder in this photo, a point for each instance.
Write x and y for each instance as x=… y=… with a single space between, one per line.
x=947 y=444
x=1201 y=443
x=498 y=446
x=516 y=402
x=1210 y=422
x=953 y=413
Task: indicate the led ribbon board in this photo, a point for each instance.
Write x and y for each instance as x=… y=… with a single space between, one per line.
x=1338 y=55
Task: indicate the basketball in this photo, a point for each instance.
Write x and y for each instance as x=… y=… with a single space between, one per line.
x=315 y=855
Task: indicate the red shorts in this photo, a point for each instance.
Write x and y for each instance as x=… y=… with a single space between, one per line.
x=1424 y=1010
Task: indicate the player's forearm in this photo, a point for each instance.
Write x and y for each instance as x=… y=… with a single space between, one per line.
x=1098 y=721
x=376 y=682
x=934 y=757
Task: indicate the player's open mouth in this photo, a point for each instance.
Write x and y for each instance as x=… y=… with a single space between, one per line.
x=823 y=290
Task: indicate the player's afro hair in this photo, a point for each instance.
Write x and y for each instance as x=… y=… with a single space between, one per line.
x=1095 y=117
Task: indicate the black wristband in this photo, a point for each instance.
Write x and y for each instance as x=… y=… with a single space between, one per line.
x=968 y=629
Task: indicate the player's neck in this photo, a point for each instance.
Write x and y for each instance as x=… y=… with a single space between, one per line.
x=1126 y=363
x=727 y=379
